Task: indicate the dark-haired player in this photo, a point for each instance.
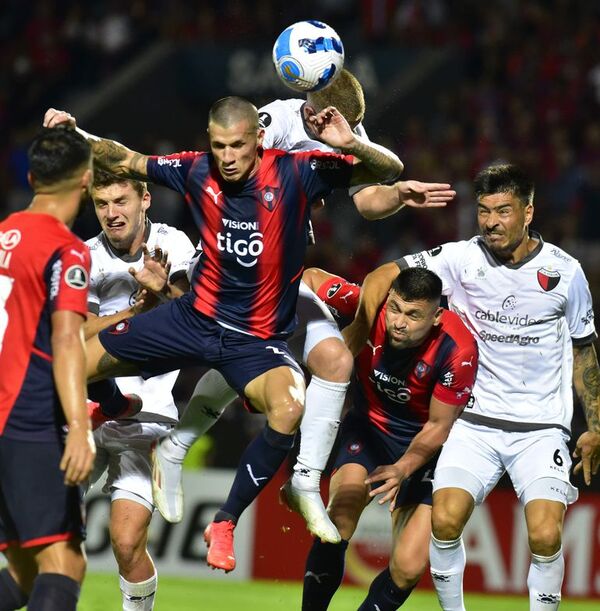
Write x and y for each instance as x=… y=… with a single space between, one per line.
x=251 y=207
x=528 y=304
x=44 y=271
x=410 y=385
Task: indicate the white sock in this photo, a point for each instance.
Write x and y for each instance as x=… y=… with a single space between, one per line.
x=545 y=581
x=138 y=596
x=210 y=398
x=322 y=412
x=447 y=561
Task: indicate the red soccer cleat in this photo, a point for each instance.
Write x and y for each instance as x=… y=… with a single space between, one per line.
x=134 y=406
x=219 y=539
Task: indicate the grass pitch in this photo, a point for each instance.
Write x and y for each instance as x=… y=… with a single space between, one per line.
x=101 y=593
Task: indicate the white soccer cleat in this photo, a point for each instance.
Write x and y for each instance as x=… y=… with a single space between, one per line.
x=309 y=504
x=167 y=490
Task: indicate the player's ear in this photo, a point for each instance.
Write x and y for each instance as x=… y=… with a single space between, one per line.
x=87 y=178
x=146 y=200
x=437 y=317
x=260 y=135
x=30 y=180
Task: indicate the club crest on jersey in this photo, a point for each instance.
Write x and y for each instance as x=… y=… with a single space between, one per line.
x=120 y=328
x=333 y=289
x=269 y=197
x=264 y=119
x=76 y=277
x=510 y=303
x=548 y=278
x=434 y=252
x=421 y=369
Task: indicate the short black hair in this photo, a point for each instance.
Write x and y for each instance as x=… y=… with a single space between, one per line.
x=233 y=109
x=504 y=178
x=55 y=154
x=417 y=283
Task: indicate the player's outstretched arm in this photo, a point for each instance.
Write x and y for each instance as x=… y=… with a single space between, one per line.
x=586 y=379
x=373 y=293
x=108 y=154
x=68 y=368
x=373 y=163
x=379 y=201
x=421 y=449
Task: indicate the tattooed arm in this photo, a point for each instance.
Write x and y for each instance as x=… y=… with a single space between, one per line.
x=373 y=163
x=108 y=154
x=586 y=379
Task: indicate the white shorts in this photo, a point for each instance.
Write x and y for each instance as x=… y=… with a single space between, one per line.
x=315 y=323
x=124 y=449
x=538 y=463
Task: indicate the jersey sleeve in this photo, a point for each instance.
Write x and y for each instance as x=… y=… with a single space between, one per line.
x=457 y=375
x=69 y=273
x=275 y=125
x=322 y=172
x=340 y=296
x=580 y=310
x=181 y=251
x=443 y=260
x=172 y=170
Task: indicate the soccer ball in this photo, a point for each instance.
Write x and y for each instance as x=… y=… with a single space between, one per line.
x=308 y=55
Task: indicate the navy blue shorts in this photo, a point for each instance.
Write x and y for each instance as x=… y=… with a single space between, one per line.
x=175 y=335
x=362 y=443
x=36 y=508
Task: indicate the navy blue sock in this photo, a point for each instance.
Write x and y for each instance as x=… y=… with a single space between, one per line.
x=323 y=575
x=11 y=595
x=107 y=393
x=53 y=592
x=259 y=463
x=384 y=594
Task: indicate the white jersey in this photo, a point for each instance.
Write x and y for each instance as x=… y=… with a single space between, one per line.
x=525 y=317
x=113 y=288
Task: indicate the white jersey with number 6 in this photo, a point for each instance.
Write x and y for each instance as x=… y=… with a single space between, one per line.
x=525 y=317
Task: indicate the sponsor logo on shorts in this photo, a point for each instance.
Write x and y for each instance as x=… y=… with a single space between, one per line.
x=355 y=448
x=548 y=278
x=76 y=277
x=120 y=328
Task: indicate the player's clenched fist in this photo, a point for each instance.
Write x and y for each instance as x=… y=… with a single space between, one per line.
x=54 y=117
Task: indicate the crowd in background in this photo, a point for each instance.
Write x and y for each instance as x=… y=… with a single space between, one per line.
x=528 y=92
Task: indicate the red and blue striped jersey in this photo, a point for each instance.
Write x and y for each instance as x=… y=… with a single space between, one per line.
x=393 y=388
x=253 y=234
x=43 y=268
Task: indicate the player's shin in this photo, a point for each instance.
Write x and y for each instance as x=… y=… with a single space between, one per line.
x=323 y=408
x=545 y=581
x=138 y=596
x=384 y=594
x=11 y=595
x=323 y=575
x=447 y=560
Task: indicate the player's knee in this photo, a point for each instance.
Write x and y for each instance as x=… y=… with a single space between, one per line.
x=406 y=571
x=331 y=360
x=128 y=548
x=446 y=524
x=284 y=413
x=545 y=538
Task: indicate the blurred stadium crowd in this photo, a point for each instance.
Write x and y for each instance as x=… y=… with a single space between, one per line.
x=527 y=90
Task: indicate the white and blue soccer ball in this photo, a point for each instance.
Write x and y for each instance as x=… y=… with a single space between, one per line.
x=308 y=55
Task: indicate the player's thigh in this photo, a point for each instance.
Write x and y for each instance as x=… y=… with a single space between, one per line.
x=315 y=324
x=278 y=393
x=129 y=473
x=101 y=364
x=411 y=535
x=539 y=465
x=469 y=461
x=348 y=496
x=63 y=557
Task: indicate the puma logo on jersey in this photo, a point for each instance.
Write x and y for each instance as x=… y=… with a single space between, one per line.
x=345 y=297
x=214 y=195
x=78 y=254
x=468 y=363
x=373 y=348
